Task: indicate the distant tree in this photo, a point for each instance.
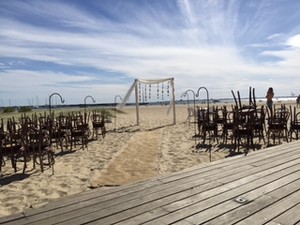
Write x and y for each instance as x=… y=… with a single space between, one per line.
x=8 y=110
x=24 y=109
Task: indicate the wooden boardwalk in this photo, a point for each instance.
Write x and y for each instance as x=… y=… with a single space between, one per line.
x=261 y=188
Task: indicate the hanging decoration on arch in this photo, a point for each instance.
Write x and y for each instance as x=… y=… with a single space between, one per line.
x=142 y=92
x=168 y=89
x=157 y=91
x=145 y=92
x=162 y=91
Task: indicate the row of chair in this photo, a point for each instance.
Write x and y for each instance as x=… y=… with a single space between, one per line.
x=35 y=137
x=242 y=124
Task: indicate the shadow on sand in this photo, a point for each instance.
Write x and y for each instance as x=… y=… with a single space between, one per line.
x=14 y=177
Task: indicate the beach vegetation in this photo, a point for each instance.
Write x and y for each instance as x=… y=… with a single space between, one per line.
x=8 y=110
x=24 y=109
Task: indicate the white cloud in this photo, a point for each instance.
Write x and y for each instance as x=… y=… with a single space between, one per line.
x=274 y=36
x=294 y=41
x=200 y=45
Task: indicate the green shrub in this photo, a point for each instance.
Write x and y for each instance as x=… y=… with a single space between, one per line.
x=24 y=109
x=8 y=110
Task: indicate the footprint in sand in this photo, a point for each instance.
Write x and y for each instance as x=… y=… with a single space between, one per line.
x=138 y=160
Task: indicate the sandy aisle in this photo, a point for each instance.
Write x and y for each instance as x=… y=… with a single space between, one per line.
x=137 y=160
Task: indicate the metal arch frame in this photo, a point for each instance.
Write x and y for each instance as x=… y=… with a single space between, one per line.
x=84 y=101
x=61 y=99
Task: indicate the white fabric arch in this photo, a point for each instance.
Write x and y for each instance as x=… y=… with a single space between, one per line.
x=134 y=86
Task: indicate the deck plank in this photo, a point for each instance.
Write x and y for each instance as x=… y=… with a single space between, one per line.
x=274 y=210
x=259 y=198
x=288 y=217
x=97 y=211
x=201 y=202
x=149 y=204
x=267 y=178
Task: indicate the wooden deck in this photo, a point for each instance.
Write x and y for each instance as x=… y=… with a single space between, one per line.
x=261 y=188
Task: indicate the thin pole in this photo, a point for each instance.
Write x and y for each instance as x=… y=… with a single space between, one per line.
x=137 y=103
x=89 y=96
x=61 y=99
x=115 y=117
x=194 y=108
x=207 y=98
x=50 y=118
x=173 y=97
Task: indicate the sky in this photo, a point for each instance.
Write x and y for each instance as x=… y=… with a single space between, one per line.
x=99 y=47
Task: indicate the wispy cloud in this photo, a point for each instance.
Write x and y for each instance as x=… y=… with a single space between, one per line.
x=223 y=45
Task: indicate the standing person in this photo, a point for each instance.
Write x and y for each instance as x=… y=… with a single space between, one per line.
x=269 y=96
x=298 y=101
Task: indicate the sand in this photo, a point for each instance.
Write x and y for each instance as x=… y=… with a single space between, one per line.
x=129 y=153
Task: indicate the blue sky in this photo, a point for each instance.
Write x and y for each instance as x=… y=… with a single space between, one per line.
x=98 y=47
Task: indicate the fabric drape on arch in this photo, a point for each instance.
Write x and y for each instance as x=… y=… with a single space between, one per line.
x=134 y=87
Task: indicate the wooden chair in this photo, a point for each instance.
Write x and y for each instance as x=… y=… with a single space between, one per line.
x=98 y=124
x=79 y=131
x=191 y=115
x=2 y=140
x=259 y=126
x=36 y=145
x=243 y=129
x=294 y=124
x=278 y=124
x=43 y=145
x=2 y=137
x=207 y=124
x=58 y=135
x=12 y=147
x=2 y=161
x=228 y=125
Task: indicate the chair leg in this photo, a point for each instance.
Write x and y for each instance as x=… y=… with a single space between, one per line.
x=286 y=135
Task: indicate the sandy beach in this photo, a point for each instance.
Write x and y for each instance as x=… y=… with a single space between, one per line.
x=129 y=153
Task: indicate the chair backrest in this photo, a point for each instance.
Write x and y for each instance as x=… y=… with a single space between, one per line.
x=1 y=125
x=295 y=116
x=260 y=114
x=252 y=98
x=219 y=114
x=237 y=100
x=282 y=114
x=202 y=115
x=191 y=112
x=229 y=119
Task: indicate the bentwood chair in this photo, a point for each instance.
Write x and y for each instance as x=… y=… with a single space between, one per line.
x=98 y=123
x=12 y=143
x=243 y=129
x=79 y=131
x=259 y=126
x=36 y=146
x=2 y=141
x=207 y=124
x=294 y=124
x=278 y=124
x=228 y=125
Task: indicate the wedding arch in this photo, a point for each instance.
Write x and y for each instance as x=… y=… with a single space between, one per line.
x=136 y=86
